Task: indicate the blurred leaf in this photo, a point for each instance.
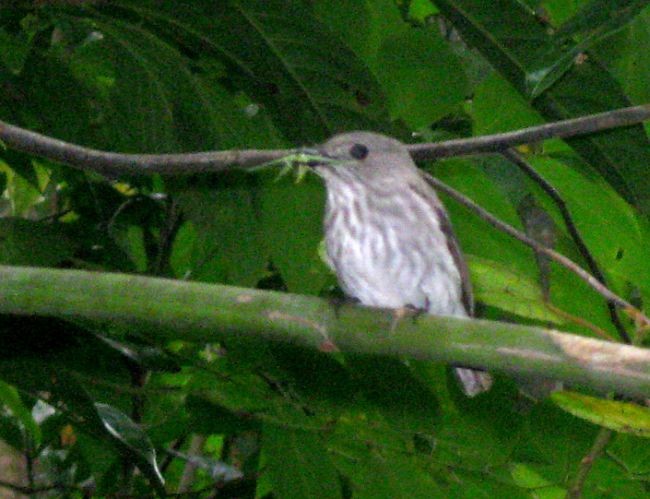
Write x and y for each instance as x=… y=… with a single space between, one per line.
x=618 y=416
x=527 y=478
x=14 y=50
x=23 y=242
x=292 y=227
x=224 y=242
x=625 y=54
x=135 y=440
x=374 y=21
x=269 y=48
x=594 y=21
x=421 y=77
x=298 y=464
x=633 y=451
x=620 y=156
x=497 y=285
x=619 y=249
x=10 y=399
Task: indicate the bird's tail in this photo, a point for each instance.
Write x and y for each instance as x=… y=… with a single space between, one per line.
x=473 y=381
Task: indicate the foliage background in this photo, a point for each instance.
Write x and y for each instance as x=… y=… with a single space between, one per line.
x=161 y=76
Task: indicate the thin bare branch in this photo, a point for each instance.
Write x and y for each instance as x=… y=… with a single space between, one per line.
x=561 y=129
x=546 y=186
x=598 y=448
x=115 y=164
x=553 y=255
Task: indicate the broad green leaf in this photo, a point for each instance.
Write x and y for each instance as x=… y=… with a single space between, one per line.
x=621 y=156
x=222 y=241
x=421 y=77
x=596 y=20
x=298 y=464
x=497 y=107
x=620 y=248
x=292 y=225
x=633 y=451
x=23 y=242
x=620 y=416
x=269 y=49
x=626 y=54
x=375 y=20
x=497 y=285
x=527 y=478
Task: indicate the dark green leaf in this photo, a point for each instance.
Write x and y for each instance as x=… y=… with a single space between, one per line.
x=620 y=156
x=298 y=464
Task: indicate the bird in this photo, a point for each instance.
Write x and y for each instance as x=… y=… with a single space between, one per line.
x=388 y=238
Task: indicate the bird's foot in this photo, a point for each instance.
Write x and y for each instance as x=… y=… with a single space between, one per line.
x=404 y=312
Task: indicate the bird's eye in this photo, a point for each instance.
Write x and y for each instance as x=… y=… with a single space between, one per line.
x=358 y=151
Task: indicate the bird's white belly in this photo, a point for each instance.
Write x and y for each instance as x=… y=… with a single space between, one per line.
x=384 y=271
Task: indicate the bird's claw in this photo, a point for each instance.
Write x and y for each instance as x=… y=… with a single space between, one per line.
x=403 y=312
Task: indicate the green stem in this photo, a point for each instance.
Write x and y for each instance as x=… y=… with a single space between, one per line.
x=165 y=309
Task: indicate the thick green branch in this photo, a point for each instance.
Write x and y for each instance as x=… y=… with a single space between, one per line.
x=166 y=309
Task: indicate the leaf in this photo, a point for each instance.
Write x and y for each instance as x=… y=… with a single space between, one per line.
x=497 y=285
x=298 y=464
x=624 y=54
x=224 y=240
x=625 y=417
x=134 y=440
x=24 y=242
x=292 y=226
x=10 y=399
x=527 y=478
x=268 y=47
x=421 y=77
x=621 y=156
x=596 y=20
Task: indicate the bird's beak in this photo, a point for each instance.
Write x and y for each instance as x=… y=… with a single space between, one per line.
x=312 y=157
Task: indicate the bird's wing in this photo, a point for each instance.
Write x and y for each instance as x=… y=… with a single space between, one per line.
x=427 y=194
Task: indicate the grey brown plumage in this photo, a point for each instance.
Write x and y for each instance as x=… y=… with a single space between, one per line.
x=388 y=237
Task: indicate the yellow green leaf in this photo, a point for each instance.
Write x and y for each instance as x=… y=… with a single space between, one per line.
x=618 y=416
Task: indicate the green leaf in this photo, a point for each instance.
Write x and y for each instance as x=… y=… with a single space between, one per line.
x=626 y=55
x=625 y=417
x=292 y=225
x=596 y=20
x=134 y=440
x=23 y=242
x=422 y=79
x=621 y=156
x=527 y=478
x=10 y=399
x=269 y=48
x=14 y=50
x=497 y=285
x=223 y=238
x=298 y=464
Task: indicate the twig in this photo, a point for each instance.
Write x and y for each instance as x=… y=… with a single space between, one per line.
x=115 y=164
x=597 y=449
x=528 y=169
x=187 y=478
x=636 y=314
x=579 y=320
x=562 y=129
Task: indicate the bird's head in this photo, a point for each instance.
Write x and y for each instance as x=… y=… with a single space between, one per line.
x=363 y=156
